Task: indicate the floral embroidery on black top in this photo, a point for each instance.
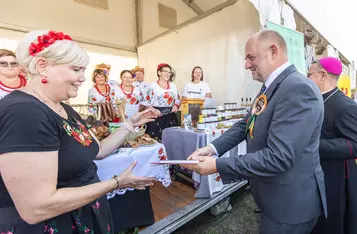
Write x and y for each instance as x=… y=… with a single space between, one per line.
x=96 y=207
x=50 y=227
x=81 y=134
x=9 y=232
x=76 y=151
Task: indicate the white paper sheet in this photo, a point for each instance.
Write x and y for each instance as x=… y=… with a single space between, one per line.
x=175 y=162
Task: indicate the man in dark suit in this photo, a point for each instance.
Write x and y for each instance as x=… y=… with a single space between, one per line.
x=338 y=149
x=282 y=163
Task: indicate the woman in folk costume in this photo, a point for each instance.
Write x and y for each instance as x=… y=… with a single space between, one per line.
x=338 y=150
x=131 y=94
x=10 y=73
x=139 y=82
x=101 y=92
x=164 y=96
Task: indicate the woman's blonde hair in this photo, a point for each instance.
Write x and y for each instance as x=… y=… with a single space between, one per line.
x=5 y=52
x=62 y=52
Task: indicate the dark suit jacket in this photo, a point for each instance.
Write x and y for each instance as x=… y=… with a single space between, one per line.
x=282 y=163
x=338 y=150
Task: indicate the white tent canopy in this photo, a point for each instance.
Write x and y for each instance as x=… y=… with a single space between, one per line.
x=210 y=33
x=216 y=43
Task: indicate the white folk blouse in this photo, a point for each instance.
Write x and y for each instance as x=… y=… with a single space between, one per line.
x=133 y=99
x=5 y=90
x=159 y=97
x=95 y=96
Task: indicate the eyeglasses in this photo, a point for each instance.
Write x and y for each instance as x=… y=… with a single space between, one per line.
x=310 y=73
x=165 y=71
x=319 y=71
x=7 y=64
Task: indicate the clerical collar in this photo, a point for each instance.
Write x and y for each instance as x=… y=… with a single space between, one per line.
x=328 y=93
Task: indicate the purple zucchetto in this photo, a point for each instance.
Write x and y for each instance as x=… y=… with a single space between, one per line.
x=331 y=65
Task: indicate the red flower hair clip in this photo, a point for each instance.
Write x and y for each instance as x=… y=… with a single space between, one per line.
x=46 y=40
x=162 y=65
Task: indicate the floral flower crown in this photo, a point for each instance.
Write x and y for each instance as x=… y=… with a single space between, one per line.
x=46 y=40
x=162 y=65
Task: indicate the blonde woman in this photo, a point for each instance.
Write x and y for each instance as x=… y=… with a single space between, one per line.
x=48 y=181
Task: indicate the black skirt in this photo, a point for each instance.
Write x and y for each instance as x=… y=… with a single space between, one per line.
x=91 y=219
x=154 y=129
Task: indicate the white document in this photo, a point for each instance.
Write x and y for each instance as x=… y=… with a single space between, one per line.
x=175 y=162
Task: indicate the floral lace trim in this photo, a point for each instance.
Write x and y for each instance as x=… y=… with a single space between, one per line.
x=163 y=177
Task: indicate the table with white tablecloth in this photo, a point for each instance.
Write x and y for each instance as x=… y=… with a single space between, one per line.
x=180 y=143
x=131 y=208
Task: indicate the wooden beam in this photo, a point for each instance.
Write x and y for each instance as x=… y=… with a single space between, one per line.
x=190 y=21
x=193 y=6
x=324 y=38
x=138 y=17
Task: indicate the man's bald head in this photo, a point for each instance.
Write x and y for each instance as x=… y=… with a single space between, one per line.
x=272 y=37
x=265 y=52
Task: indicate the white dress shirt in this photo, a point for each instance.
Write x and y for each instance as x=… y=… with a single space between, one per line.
x=275 y=74
x=267 y=83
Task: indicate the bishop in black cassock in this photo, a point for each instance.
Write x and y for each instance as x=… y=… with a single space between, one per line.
x=338 y=150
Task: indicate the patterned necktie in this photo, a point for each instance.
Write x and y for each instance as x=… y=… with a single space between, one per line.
x=262 y=90
x=251 y=119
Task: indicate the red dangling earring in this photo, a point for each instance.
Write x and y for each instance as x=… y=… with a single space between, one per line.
x=44 y=81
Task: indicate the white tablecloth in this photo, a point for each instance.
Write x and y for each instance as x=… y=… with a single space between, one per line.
x=117 y=162
x=181 y=143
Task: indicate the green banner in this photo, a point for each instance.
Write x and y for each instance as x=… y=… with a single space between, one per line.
x=295 y=43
